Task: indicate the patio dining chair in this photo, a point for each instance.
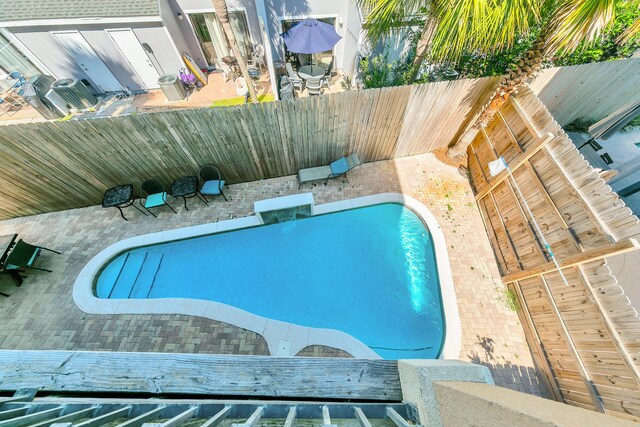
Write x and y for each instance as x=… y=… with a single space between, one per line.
x=226 y=70
x=24 y=255
x=212 y=181
x=314 y=86
x=286 y=88
x=154 y=195
x=293 y=76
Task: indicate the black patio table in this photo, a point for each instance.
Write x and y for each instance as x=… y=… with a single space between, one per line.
x=120 y=197
x=187 y=187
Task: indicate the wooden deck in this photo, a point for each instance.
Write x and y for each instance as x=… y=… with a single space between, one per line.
x=163 y=373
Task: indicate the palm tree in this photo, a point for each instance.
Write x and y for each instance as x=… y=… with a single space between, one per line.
x=220 y=6
x=385 y=15
x=452 y=26
x=564 y=24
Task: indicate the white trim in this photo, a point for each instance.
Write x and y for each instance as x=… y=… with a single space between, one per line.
x=80 y=21
x=267 y=45
x=193 y=31
x=13 y=39
x=175 y=48
x=273 y=331
x=301 y=17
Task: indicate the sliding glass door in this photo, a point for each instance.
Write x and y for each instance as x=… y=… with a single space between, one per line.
x=212 y=38
x=11 y=59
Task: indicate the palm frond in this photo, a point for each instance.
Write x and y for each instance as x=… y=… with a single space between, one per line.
x=461 y=23
x=630 y=33
x=510 y=19
x=481 y=25
x=578 y=20
x=385 y=15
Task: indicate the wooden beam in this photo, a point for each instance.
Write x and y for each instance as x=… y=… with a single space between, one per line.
x=219 y=417
x=524 y=216
x=253 y=419
x=105 y=418
x=362 y=418
x=12 y=413
x=495 y=244
x=326 y=417
x=604 y=314
x=540 y=357
x=179 y=373
x=533 y=129
x=512 y=246
x=512 y=135
x=67 y=418
x=397 y=419
x=595 y=397
x=515 y=164
x=545 y=194
x=142 y=418
x=291 y=417
x=179 y=419
x=32 y=418
x=602 y=228
x=620 y=247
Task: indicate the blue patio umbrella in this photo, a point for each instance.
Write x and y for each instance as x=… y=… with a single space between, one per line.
x=311 y=36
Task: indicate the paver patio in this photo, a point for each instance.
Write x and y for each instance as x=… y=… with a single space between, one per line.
x=42 y=315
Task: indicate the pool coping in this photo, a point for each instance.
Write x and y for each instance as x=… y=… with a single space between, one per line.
x=283 y=339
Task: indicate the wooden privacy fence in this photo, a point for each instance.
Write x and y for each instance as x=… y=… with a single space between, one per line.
x=588 y=91
x=585 y=337
x=61 y=165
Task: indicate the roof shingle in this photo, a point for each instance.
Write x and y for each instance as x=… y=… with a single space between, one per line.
x=24 y=10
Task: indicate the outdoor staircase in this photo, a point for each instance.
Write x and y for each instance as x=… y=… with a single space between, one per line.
x=137 y=273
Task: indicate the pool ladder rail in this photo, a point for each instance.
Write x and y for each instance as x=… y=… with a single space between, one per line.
x=21 y=410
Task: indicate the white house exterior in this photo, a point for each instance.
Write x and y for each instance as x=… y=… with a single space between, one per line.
x=118 y=45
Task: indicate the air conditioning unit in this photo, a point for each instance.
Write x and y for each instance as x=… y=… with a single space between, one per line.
x=74 y=93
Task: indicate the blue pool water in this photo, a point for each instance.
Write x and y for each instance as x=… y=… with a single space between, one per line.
x=369 y=272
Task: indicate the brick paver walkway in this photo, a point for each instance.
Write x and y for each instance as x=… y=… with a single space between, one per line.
x=41 y=314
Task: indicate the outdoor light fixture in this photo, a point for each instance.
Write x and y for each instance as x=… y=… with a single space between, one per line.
x=180 y=17
x=340 y=21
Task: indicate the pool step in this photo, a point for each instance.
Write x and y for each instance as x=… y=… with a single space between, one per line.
x=148 y=271
x=128 y=275
x=108 y=277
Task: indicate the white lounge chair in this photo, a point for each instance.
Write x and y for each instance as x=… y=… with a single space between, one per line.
x=338 y=168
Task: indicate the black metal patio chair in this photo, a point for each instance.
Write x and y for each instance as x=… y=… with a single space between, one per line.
x=154 y=195
x=213 y=182
x=24 y=255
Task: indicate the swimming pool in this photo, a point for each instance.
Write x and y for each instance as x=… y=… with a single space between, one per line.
x=370 y=272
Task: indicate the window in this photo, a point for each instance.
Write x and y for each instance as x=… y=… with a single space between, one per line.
x=212 y=38
x=11 y=59
x=304 y=59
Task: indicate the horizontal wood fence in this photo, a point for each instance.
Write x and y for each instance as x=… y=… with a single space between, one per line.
x=584 y=336
x=61 y=165
x=588 y=91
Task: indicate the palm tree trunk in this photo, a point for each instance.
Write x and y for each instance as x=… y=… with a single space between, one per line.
x=526 y=67
x=423 y=45
x=220 y=7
